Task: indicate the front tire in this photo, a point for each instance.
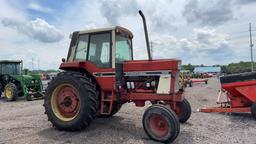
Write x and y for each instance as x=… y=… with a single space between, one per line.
x=10 y=92
x=70 y=101
x=161 y=124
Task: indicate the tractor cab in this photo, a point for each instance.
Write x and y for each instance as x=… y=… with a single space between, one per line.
x=102 y=47
x=10 y=67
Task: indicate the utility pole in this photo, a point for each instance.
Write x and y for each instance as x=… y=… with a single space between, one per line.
x=32 y=64
x=251 y=45
x=38 y=64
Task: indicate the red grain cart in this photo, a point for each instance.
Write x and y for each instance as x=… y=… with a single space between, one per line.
x=199 y=80
x=240 y=91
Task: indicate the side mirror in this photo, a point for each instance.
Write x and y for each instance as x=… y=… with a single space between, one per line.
x=63 y=59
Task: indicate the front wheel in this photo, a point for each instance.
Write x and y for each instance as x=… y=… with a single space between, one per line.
x=161 y=124
x=70 y=101
x=10 y=92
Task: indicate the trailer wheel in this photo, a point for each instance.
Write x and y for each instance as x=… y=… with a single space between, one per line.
x=190 y=83
x=29 y=98
x=1 y=88
x=184 y=111
x=161 y=124
x=254 y=110
x=10 y=92
x=70 y=101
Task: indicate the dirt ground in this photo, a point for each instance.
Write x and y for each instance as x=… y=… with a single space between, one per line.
x=25 y=122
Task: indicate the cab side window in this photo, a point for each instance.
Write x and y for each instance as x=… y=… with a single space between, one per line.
x=99 y=50
x=81 y=48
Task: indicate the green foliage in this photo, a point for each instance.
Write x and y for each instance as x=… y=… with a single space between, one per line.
x=229 y=69
x=188 y=67
x=237 y=67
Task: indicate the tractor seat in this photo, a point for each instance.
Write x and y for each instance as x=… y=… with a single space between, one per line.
x=238 y=77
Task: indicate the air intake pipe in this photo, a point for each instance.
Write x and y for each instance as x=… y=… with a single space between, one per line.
x=146 y=34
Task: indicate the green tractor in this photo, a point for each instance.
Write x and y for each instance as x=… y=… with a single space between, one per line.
x=15 y=85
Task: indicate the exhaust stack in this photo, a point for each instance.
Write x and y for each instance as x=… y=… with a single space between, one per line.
x=146 y=34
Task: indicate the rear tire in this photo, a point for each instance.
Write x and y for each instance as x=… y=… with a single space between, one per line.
x=71 y=101
x=161 y=124
x=10 y=92
x=253 y=110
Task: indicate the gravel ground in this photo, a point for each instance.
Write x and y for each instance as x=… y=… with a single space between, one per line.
x=25 y=122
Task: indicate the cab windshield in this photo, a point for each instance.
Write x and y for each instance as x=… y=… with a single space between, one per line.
x=123 y=47
x=10 y=68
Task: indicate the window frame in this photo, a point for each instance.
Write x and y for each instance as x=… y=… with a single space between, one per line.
x=131 y=47
x=110 y=49
x=76 y=46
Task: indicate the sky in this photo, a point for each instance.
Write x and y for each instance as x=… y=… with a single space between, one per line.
x=196 y=31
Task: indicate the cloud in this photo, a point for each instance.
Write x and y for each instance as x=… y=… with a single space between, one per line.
x=39 y=8
x=37 y=29
x=203 y=44
x=157 y=12
x=113 y=9
x=245 y=1
x=207 y=43
x=89 y=26
x=208 y=37
x=211 y=12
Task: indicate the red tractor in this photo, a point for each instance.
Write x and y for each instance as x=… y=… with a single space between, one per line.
x=100 y=75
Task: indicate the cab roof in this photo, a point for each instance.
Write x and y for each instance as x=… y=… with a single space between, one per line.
x=116 y=28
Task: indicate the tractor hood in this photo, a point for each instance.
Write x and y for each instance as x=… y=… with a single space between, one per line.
x=28 y=79
x=154 y=65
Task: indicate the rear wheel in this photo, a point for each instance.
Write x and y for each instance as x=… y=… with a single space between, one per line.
x=10 y=92
x=183 y=110
x=70 y=101
x=161 y=124
x=253 y=109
